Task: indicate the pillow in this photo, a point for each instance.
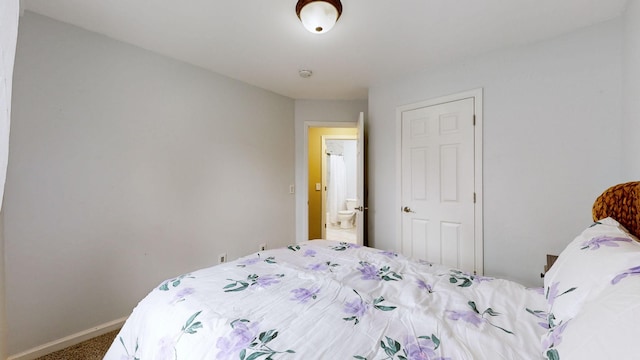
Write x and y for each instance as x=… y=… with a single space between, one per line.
x=621 y=202
x=587 y=266
x=605 y=328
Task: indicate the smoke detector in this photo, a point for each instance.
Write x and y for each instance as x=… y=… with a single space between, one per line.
x=305 y=73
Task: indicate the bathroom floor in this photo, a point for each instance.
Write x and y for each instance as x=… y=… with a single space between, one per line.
x=335 y=232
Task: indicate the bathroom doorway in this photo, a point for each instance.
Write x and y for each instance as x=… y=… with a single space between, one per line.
x=317 y=163
x=339 y=187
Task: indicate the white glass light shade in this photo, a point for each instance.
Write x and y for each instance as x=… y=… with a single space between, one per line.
x=318 y=16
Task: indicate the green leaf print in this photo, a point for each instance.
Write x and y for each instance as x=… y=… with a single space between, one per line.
x=130 y=356
x=190 y=327
x=255 y=348
x=460 y=278
x=173 y=282
x=392 y=348
x=552 y=354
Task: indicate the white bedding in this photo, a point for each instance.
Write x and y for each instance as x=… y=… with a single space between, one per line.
x=329 y=300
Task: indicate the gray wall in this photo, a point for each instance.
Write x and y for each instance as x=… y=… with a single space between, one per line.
x=120 y=175
x=631 y=88
x=128 y=168
x=9 y=10
x=3 y=312
x=552 y=127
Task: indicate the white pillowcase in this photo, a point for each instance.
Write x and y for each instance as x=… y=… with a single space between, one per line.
x=587 y=266
x=605 y=328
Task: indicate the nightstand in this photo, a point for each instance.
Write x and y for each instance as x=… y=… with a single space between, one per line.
x=550 y=260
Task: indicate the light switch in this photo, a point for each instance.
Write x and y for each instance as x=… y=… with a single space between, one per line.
x=318 y=186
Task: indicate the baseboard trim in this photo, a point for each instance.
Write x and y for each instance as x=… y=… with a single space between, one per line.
x=67 y=341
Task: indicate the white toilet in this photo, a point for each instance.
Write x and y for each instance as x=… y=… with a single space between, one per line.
x=346 y=217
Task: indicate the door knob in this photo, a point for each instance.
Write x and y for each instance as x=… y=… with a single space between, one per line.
x=361 y=208
x=407 y=209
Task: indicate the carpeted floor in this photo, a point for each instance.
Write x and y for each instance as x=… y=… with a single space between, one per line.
x=92 y=349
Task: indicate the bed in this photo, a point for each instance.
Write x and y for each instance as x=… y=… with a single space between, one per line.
x=329 y=300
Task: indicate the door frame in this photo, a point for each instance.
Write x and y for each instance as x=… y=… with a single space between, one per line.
x=324 y=176
x=305 y=166
x=476 y=94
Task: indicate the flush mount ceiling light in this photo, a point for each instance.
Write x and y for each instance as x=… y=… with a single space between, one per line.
x=318 y=16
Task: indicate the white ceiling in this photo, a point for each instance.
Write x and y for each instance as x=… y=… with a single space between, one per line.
x=262 y=42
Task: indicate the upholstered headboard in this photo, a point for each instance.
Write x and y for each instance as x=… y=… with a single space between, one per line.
x=621 y=202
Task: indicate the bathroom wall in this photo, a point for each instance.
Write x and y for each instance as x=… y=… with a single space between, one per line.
x=315 y=175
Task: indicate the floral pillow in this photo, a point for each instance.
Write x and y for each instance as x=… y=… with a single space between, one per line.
x=605 y=328
x=587 y=266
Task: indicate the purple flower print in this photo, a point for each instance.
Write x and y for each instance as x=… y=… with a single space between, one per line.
x=240 y=338
x=250 y=261
x=318 y=267
x=182 y=294
x=356 y=307
x=266 y=280
x=632 y=271
x=247 y=340
x=480 y=279
x=463 y=279
x=167 y=345
x=596 y=242
x=389 y=254
x=540 y=314
x=255 y=260
x=167 y=348
x=303 y=295
x=467 y=316
x=185 y=292
x=537 y=290
x=310 y=253
x=424 y=286
x=475 y=317
x=368 y=271
x=554 y=338
x=322 y=266
x=552 y=293
x=420 y=349
x=252 y=280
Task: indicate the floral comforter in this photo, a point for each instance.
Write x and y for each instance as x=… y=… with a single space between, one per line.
x=329 y=300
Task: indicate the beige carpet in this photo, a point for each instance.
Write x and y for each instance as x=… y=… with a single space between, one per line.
x=92 y=349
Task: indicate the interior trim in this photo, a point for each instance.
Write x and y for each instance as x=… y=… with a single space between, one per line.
x=67 y=341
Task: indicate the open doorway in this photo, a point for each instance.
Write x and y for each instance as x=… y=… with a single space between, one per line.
x=339 y=186
x=317 y=179
x=311 y=199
